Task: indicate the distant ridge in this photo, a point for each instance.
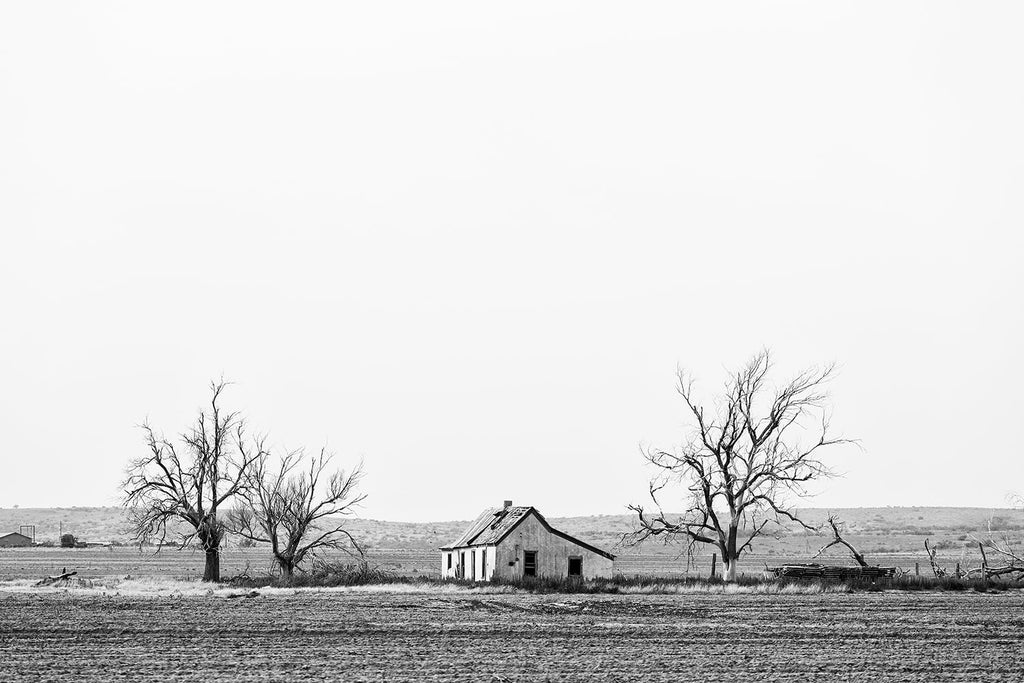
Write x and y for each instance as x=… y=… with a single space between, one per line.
x=109 y=524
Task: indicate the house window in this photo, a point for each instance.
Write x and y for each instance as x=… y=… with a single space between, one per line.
x=575 y=566
x=472 y=565
x=483 y=563
x=449 y=561
x=529 y=563
x=461 y=573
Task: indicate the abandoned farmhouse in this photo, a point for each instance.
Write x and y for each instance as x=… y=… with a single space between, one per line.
x=513 y=542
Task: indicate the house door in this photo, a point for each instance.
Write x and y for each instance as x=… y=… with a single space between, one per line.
x=529 y=563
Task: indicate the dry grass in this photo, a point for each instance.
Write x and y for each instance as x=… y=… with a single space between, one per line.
x=343 y=581
x=712 y=588
x=164 y=587
x=160 y=587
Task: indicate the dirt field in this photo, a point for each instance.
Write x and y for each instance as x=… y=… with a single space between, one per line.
x=443 y=634
x=63 y=636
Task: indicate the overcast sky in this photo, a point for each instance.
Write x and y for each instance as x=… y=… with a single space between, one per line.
x=471 y=244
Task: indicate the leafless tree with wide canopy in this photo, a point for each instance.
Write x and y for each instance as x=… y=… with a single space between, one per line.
x=746 y=455
x=181 y=488
x=298 y=508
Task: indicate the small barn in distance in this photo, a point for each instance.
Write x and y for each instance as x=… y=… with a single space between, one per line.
x=513 y=542
x=15 y=540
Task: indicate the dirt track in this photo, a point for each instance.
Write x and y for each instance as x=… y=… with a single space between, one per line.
x=392 y=637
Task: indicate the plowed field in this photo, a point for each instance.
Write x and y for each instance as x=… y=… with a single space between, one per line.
x=64 y=636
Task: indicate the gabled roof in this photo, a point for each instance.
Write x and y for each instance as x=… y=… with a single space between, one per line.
x=15 y=533
x=485 y=519
x=494 y=524
x=501 y=525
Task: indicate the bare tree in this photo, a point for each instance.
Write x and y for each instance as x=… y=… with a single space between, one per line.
x=296 y=508
x=744 y=456
x=181 y=489
x=937 y=569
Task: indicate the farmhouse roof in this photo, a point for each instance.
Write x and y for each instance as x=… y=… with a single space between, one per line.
x=15 y=533
x=494 y=524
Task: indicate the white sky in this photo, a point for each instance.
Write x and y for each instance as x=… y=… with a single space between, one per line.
x=471 y=244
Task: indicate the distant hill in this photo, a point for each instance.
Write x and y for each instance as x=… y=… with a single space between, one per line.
x=888 y=528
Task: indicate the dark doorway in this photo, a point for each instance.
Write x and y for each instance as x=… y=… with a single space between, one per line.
x=529 y=563
x=575 y=566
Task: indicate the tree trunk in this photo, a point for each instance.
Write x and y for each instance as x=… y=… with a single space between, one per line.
x=730 y=556
x=211 y=572
x=209 y=535
x=286 y=564
x=731 y=566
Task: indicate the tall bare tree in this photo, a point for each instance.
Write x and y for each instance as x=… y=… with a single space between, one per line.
x=298 y=508
x=180 y=489
x=745 y=455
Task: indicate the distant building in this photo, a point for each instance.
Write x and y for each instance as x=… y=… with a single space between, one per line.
x=513 y=542
x=15 y=540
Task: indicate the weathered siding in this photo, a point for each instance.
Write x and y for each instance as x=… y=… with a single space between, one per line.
x=477 y=559
x=492 y=555
x=446 y=572
x=553 y=553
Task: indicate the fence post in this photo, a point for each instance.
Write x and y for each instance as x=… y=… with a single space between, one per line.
x=714 y=559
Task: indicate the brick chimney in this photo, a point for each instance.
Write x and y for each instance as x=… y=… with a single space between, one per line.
x=508 y=504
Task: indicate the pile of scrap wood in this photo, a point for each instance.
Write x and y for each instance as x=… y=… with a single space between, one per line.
x=830 y=572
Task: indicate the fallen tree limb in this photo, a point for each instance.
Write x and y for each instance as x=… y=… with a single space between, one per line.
x=839 y=540
x=996 y=571
x=49 y=580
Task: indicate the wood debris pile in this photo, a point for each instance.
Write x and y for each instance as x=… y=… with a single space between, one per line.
x=831 y=572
